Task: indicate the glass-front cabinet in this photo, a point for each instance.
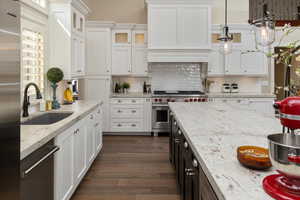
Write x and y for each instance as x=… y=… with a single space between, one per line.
x=121 y=37
x=78 y=22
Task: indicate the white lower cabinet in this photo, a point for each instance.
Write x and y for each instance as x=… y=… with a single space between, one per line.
x=130 y=114
x=79 y=145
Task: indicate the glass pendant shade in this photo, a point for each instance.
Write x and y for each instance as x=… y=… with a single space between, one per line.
x=225 y=47
x=265 y=33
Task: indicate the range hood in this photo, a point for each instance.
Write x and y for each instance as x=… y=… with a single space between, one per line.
x=179 y=30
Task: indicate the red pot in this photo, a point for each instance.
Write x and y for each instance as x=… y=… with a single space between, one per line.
x=289 y=109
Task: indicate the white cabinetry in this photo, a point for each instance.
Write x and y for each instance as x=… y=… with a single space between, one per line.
x=98 y=48
x=64 y=165
x=78 y=149
x=130 y=115
x=129 y=50
x=172 y=25
x=67 y=36
x=98 y=89
x=244 y=60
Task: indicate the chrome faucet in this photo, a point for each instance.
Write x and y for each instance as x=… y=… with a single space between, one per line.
x=26 y=102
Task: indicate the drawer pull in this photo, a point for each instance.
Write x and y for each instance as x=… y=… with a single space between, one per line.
x=133 y=125
x=177 y=141
x=99 y=111
x=175 y=123
x=134 y=111
x=92 y=117
x=188 y=170
x=119 y=111
x=190 y=173
x=119 y=101
x=97 y=124
x=133 y=101
x=119 y=125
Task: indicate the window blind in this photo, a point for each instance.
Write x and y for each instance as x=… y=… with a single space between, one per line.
x=32 y=59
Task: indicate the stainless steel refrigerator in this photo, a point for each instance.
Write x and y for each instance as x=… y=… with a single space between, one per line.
x=9 y=99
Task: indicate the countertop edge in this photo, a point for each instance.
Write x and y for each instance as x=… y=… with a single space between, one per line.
x=26 y=152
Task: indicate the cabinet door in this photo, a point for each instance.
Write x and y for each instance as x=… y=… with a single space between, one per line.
x=194 y=27
x=98 y=89
x=140 y=64
x=90 y=135
x=162 y=27
x=147 y=115
x=79 y=152
x=98 y=52
x=98 y=129
x=233 y=63
x=64 y=165
x=74 y=55
x=139 y=38
x=254 y=63
x=215 y=63
x=121 y=60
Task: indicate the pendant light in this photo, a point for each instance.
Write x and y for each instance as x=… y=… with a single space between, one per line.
x=226 y=38
x=264 y=29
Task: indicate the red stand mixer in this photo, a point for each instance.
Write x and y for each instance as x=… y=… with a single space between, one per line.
x=284 y=150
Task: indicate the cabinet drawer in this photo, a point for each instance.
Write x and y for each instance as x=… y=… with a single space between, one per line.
x=126 y=101
x=126 y=112
x=125 y=126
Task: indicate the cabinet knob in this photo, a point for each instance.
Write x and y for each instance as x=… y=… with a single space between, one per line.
x=175 y=123
x=133 y=101
x=92 y=117
x=186 y=145
x=107 y=70
x=119 y=101
x=179 y=132
x=134 y=111
x=99 y=111
x=195 y=163
x=133 y=125
x=119 y=125
x=119 y=111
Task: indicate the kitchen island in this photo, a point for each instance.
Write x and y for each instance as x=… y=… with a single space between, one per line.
x=213 y=132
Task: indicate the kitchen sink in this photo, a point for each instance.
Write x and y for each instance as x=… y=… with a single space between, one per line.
x=48 y=118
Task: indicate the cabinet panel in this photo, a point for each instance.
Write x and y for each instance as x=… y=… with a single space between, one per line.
x=121 y=60
x=64 y=165
x=254 y=63
x=125 y=125
x=140 y=63
x=233 y=63
x=79 y=152
x=215 y=63
x=98 y=52
x=162 y=27
x=90 y=135
x=98 y=129
x=98 y=89
x=194 y=33
x=126 y=111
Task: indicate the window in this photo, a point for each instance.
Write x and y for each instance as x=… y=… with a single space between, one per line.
x=32 y=59
x=42 y=3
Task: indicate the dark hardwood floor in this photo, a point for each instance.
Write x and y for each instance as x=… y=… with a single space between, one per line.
x=130 y=168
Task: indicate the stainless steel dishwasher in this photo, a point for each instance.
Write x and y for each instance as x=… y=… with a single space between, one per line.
x=37 y=174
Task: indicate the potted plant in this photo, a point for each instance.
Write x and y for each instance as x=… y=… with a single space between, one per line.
x=55 y=75
x=125 y=87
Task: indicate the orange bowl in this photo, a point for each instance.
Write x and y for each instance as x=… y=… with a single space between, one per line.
x=254 y=157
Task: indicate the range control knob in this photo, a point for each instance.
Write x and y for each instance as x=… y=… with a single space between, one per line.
x=156 y=100
x=186 y=100
x=195 y=100
x=199 y=100
x=191 y=100
x=168 y=100
x=160 y=100
x=173 y=100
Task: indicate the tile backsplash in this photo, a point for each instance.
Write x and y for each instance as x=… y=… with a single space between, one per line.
x=176 y=76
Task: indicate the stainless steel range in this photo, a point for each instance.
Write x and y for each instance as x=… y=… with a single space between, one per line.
x=160 y=107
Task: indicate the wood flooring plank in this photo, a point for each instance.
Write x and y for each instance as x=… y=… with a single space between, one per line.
x=130 y=168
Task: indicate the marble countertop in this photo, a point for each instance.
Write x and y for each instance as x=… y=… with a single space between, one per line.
x=240 y=95
x=131 y=95
x=214 y=131
x=35 y=136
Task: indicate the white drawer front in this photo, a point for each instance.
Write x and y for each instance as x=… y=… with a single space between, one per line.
x=126 y=126
x=126 y=112
x=127 y=101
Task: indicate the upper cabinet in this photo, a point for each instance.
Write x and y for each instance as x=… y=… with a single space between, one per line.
x=179 y=26
x=129 y=50
x=245 y=59
x=179 y=31
x=67 y=35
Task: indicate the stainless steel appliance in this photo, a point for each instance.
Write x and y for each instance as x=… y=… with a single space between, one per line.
x=37 y=173
x=9 y=100
x=160 y=107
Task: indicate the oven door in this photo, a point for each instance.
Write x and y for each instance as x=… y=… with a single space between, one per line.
x=160 y=118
